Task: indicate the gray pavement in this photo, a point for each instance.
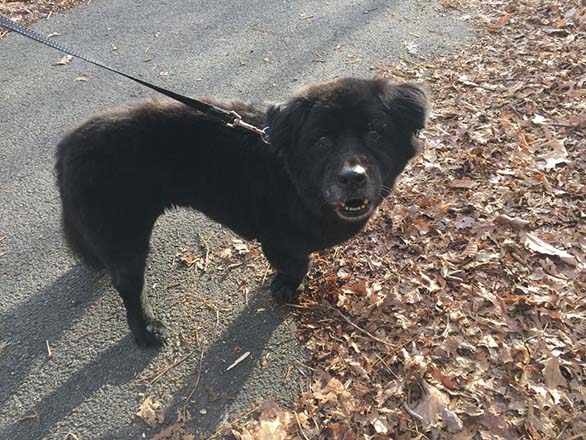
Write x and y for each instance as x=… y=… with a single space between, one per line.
x=95 y=380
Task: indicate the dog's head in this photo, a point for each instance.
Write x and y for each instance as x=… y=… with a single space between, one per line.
x=345 y=142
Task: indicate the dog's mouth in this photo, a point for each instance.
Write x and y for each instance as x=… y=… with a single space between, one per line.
x=354 y=209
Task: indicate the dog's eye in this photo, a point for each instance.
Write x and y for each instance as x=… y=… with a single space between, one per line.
x=323 y=142
x=378 y=127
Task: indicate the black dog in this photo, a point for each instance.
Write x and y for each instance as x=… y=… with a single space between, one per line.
x=336 y=149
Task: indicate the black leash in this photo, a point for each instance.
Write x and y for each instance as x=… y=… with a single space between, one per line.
x=230 y=118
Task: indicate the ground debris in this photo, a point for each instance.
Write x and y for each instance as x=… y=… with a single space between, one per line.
x=26 y=12
x=460 y=312
x=151 y=412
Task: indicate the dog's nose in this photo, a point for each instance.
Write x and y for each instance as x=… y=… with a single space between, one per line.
x=352 y=175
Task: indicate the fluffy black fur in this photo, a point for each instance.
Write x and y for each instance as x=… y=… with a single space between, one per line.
x=336 y=149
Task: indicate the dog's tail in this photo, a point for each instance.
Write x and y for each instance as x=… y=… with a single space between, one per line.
x=70 y=216
x=78 y=245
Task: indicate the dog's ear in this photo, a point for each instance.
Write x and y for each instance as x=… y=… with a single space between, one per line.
x=286 y=120
x=409 y=105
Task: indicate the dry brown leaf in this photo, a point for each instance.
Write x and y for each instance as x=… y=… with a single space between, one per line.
x=63 y=61
x=554 y=153
x=462 y=183
x=504 y=219
x=151 y=412
x=432 y=404
x=451 y=422
x=500 y=22
x=539 y=246
x=270 y=430
x=242 y=434
x=463 y=222
x=176 y=431
x=551 y=373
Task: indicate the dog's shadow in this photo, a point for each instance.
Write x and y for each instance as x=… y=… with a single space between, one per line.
x=47 y=316
x=55 y=310
x=217 y=392
x=214 y=393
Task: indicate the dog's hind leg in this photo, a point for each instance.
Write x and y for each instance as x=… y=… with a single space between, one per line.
x=128 y=279
x=291 y=269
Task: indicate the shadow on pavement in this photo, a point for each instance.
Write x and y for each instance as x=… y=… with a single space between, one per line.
x=209 y=406
x=46 y=316
x=105 y=370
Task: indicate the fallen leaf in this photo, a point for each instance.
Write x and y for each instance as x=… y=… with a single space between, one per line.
x=462 y=183
x=271 y=430
x=500 y=22
x=504 y=219
x=538 y=119
x=465 y=80
x=464 y=222
x=451 y=422
x=151 y=412
x=539 y=246
x=552 y=374
x=380 y=425
x=432 y=404
x=63 y=61
x=557 y=155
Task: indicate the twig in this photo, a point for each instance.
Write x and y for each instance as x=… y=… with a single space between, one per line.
x=86 y=334
x=246 y=296
x=575 y=437
x=168 y=368
x=412 y=413
x=214 y=308
x=299 y=425
x=207 y=255
x=287 y=374
x=185 y=341
x=49 y=352
x=264 y=275
x=237 y=361
x=221 y=429
x=298 y=306
x=386 y=366
x=196 y=382
x=72 y=435
x=197 y=341
x=360 y=329
x=303 y=365
x=34 y=415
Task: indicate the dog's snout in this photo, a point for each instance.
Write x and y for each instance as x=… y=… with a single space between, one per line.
x=352 y=175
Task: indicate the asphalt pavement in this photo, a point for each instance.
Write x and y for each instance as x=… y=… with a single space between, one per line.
x=94 y=379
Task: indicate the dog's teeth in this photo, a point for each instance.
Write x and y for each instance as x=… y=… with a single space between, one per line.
x=349 y=208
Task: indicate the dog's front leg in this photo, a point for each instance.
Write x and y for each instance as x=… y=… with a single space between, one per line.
x=291 y=269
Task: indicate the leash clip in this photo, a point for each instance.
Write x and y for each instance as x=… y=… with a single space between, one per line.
x=238 y=122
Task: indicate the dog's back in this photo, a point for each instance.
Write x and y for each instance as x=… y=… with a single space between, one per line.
x=120 y=170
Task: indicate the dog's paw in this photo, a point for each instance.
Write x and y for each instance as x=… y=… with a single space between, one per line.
x=283 y=290
x=153 y=334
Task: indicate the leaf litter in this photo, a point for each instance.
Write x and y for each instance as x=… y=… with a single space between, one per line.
x=461 y=312
x=462 y=309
